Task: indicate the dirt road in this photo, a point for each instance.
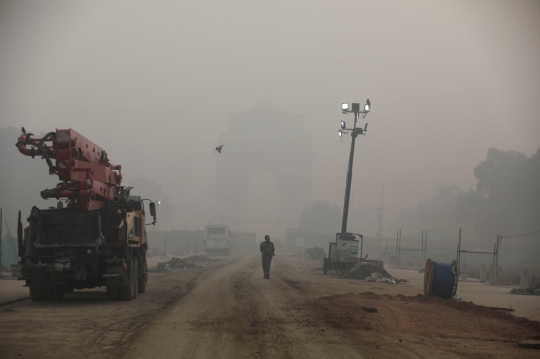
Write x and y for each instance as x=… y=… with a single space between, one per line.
x=226 y=310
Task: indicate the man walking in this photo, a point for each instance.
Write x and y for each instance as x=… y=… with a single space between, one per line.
x=267 y=250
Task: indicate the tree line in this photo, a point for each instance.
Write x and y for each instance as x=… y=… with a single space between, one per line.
x=506 y=201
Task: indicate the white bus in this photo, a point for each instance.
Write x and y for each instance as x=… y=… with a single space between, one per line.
x=217 y=239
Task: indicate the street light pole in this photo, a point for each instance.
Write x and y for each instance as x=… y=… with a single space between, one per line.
x=355 y=131
x=354 y=134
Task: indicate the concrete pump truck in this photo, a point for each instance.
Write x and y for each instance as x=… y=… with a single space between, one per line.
x=97 y=239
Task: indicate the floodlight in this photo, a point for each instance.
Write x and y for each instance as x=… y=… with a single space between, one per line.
x=343 y=125
x=367 y=106
x=355 y=107
x=158 y=202
x=345 y=106
x=340 y=132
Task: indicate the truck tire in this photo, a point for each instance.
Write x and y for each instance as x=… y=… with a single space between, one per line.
x=113 y=292
x=129 y=291
x=60 y=291
x=69 y=289
x=49 y=293
x=143 y=277
x=36 y=294
x=53 y=292
x=135 y=265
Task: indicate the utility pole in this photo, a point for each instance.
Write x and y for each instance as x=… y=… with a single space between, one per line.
x=425 y=246
x=397 y=240
x=382 y=209
x=355 y=108
x=165 y=245
x=380 y=212
x=422 y=244
x=399 y=249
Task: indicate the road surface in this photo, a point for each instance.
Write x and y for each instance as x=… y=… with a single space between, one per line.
x=226 y=310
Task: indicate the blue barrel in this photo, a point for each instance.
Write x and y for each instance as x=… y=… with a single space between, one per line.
x=440 y=279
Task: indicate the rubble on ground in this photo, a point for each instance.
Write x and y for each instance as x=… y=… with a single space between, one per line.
x=365 y=270
x=199 y=258
x=379 y=278
x=173 y=263
x=532 y=290
x=371 y=272
x=181 y=263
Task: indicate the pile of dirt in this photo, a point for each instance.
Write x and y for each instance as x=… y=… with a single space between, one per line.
x=365 y=270
x=431 y=317
x=174 y=263
x=532 y=290
x=199 y=258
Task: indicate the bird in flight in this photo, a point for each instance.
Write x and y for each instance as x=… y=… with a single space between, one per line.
x=219 y=148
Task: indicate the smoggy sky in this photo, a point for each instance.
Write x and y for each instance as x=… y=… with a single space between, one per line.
x=153 y=83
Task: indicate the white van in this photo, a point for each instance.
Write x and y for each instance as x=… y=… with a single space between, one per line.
x=217 y=239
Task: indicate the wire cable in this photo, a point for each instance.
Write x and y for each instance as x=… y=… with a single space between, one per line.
x=521 y=235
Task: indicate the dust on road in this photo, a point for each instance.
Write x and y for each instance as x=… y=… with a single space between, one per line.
x=234 y=313
x=226 y=310
x=85 y=324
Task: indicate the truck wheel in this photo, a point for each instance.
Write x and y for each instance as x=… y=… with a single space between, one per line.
x=112 y=292
x=60 y=290
x=135 y=265
x=53 y=292
x=128 y=292
x=143 y=277
x=68 y=289
x=36 y=294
